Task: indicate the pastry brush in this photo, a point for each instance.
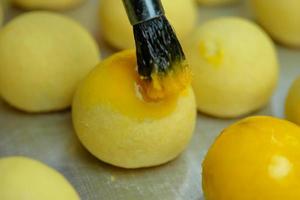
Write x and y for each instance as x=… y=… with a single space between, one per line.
x=161 y=61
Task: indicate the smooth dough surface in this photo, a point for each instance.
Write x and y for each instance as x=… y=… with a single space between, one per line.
x=26 y=179
x=47 y=4
x=292 y=104
x=216 y=2
x=1 y=14
x=43 y=56
x=280 y=18
x=233 y=75
x=117 y=30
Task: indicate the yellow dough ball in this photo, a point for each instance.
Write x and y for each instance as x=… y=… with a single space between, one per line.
x=117 y=124
x=47 y=4
x=254 y=159
x=216 y=2
x=117 y=30
x=24 y=178
x=43 y=56
x=233 y=75
x=292 y=105
x=280 y=18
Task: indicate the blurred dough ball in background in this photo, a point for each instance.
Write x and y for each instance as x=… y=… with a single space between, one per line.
x=1 y=14
x=3 y=5
x=233 y=75
x=117 y=30
x=43 y=56
x=216 y=2
x=24 y=178
x=280 y=18
x=292 y=106
x=46 y=4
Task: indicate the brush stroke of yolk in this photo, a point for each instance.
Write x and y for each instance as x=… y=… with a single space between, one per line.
x=212 y=52
x=115 y=84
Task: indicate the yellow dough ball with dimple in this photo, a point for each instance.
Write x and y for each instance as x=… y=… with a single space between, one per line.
x=292 y=105
x=24 y=178
x=43 y=56
x=234 y=65
x=280 y=18
x=118 y=125
x=47 y=4
x=216 y=2
x=255 y=159
x=117 y=30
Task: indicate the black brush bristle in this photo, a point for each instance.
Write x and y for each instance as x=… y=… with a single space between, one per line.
x=157 y=47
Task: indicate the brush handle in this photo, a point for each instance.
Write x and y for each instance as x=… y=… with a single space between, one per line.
x=139 y=11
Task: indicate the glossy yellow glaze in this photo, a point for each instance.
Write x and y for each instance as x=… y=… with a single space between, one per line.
x=255 y=159
x=292 y=104
x=115 y=82
x=27 y=179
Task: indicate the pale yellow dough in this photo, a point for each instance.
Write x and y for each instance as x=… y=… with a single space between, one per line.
x=26 y=179
x=43 y=56
x=117 y=126
x=117 y=30
x=216 y=2
x=280 y=18
x=1 y=14
x=3 y=8
x=234 y=65
x=292 y=105
x=47 y=4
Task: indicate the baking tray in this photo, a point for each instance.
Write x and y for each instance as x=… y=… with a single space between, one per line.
x=50 y=137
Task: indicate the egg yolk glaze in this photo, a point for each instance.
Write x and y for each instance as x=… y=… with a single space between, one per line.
x=164 y=85
x=118 y=85
x=257 y=158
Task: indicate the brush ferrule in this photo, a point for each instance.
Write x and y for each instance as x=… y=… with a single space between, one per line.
x=139 y=11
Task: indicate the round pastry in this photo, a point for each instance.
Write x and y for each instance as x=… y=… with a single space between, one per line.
x=256 y=158
x=119 y=124
x=292 y=105
x=117 y=30
x=24 y=178
x=280 y=18
x=233 y=75
x=216 y=2
x=46 y=4
x=41 y=67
